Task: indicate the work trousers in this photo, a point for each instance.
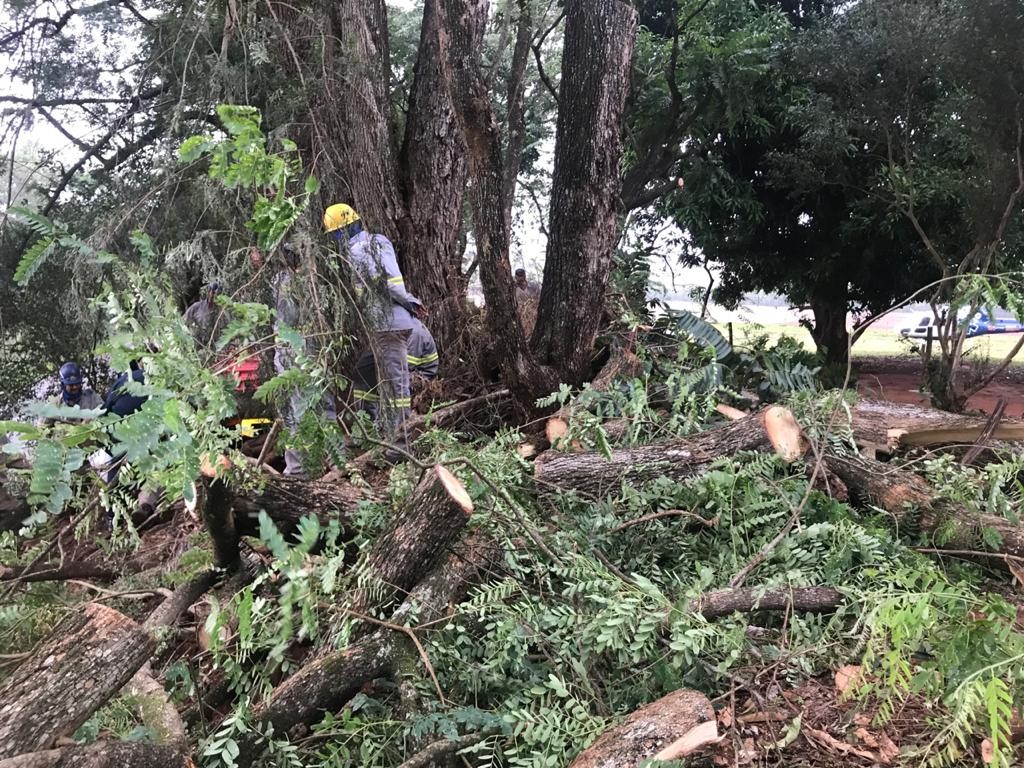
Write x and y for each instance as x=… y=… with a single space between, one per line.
x=296 y=408
x=381 y=383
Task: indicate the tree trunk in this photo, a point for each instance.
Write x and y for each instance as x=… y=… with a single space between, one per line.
x=516 y=120
x=286 y=501
x=596 y=61
x=329 y=681
x=881 y=424
x=830 y=309
x=427 y=526
x=466 y=21
x=87 y=659
x=647 y=731
x=900 y=493
x=434 y=179
x=103 y=754
x=594 y=475
x=220 y=523
x=354 y=151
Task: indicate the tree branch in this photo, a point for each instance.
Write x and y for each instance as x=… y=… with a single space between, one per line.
x=540 y=64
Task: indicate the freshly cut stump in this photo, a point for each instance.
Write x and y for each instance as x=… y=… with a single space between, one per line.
x=648 y=731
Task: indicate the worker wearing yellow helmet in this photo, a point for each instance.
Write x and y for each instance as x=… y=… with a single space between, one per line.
x=381 y=376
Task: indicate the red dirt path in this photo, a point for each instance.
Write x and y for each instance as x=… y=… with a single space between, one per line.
x=899 y=380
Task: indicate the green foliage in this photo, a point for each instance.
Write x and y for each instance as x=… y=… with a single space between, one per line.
x=242 y=162
x=53 y=236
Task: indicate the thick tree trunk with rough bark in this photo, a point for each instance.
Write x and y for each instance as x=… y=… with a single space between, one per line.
x=433 y=166
x=596 y=61
x=354 y=149
x=516 y=120
x=103 y=754
x=329 y=681
x=87 y=659
x=594 y=475
x=219 y=518
x=829 y=332
x=466 y=21
x=286 y=501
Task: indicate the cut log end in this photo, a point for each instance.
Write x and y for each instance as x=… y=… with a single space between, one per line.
x=784 y=433
x=555 y=430
x=733 y=414
x=455 y=489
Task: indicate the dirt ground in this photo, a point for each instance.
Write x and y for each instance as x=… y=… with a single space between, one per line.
x=899 y=380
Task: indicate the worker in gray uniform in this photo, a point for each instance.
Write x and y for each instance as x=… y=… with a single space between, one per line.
x=287 y=302
x=391 y=310
x=422 y=355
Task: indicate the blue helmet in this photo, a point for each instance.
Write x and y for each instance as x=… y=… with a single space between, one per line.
x=71 y=383
x=71 y=373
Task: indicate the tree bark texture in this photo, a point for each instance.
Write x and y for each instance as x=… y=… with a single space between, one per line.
x=596 y=61
x=219 y=518
x=287 y=500
x=103 y=754
x=829 y=332
x=87 y=659
x=594 y=475
x=713 y=605
x=900 y=493
x=516 y=91
x=879 y=423
x=433 y=164
x=354 y=152
x=429 y=524
x=466 y=21
x=647 y=731
x=327 y=682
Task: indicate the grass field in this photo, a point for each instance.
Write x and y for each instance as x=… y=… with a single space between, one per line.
x=877 y=343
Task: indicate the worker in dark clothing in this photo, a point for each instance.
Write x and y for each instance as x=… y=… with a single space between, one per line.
x=123 y=403
x=202 y=316
x=119 y=400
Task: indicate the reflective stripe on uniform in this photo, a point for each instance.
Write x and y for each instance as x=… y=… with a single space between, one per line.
x=362 y=394
x=413 y=360
x=396 y=280
x=403 y=402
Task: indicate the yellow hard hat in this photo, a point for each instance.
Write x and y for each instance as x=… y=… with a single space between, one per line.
x=338 y=216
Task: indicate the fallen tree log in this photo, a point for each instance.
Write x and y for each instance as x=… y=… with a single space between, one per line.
x=328 y=682
x=724 y=602
x=648 y=731
x=61 y=572
x=103 y=754
x=87 y=658
x=593 y=474
x=430 y=522
x=890 y=426
x=900 y=493
x=287 y=500
x=156 y=710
